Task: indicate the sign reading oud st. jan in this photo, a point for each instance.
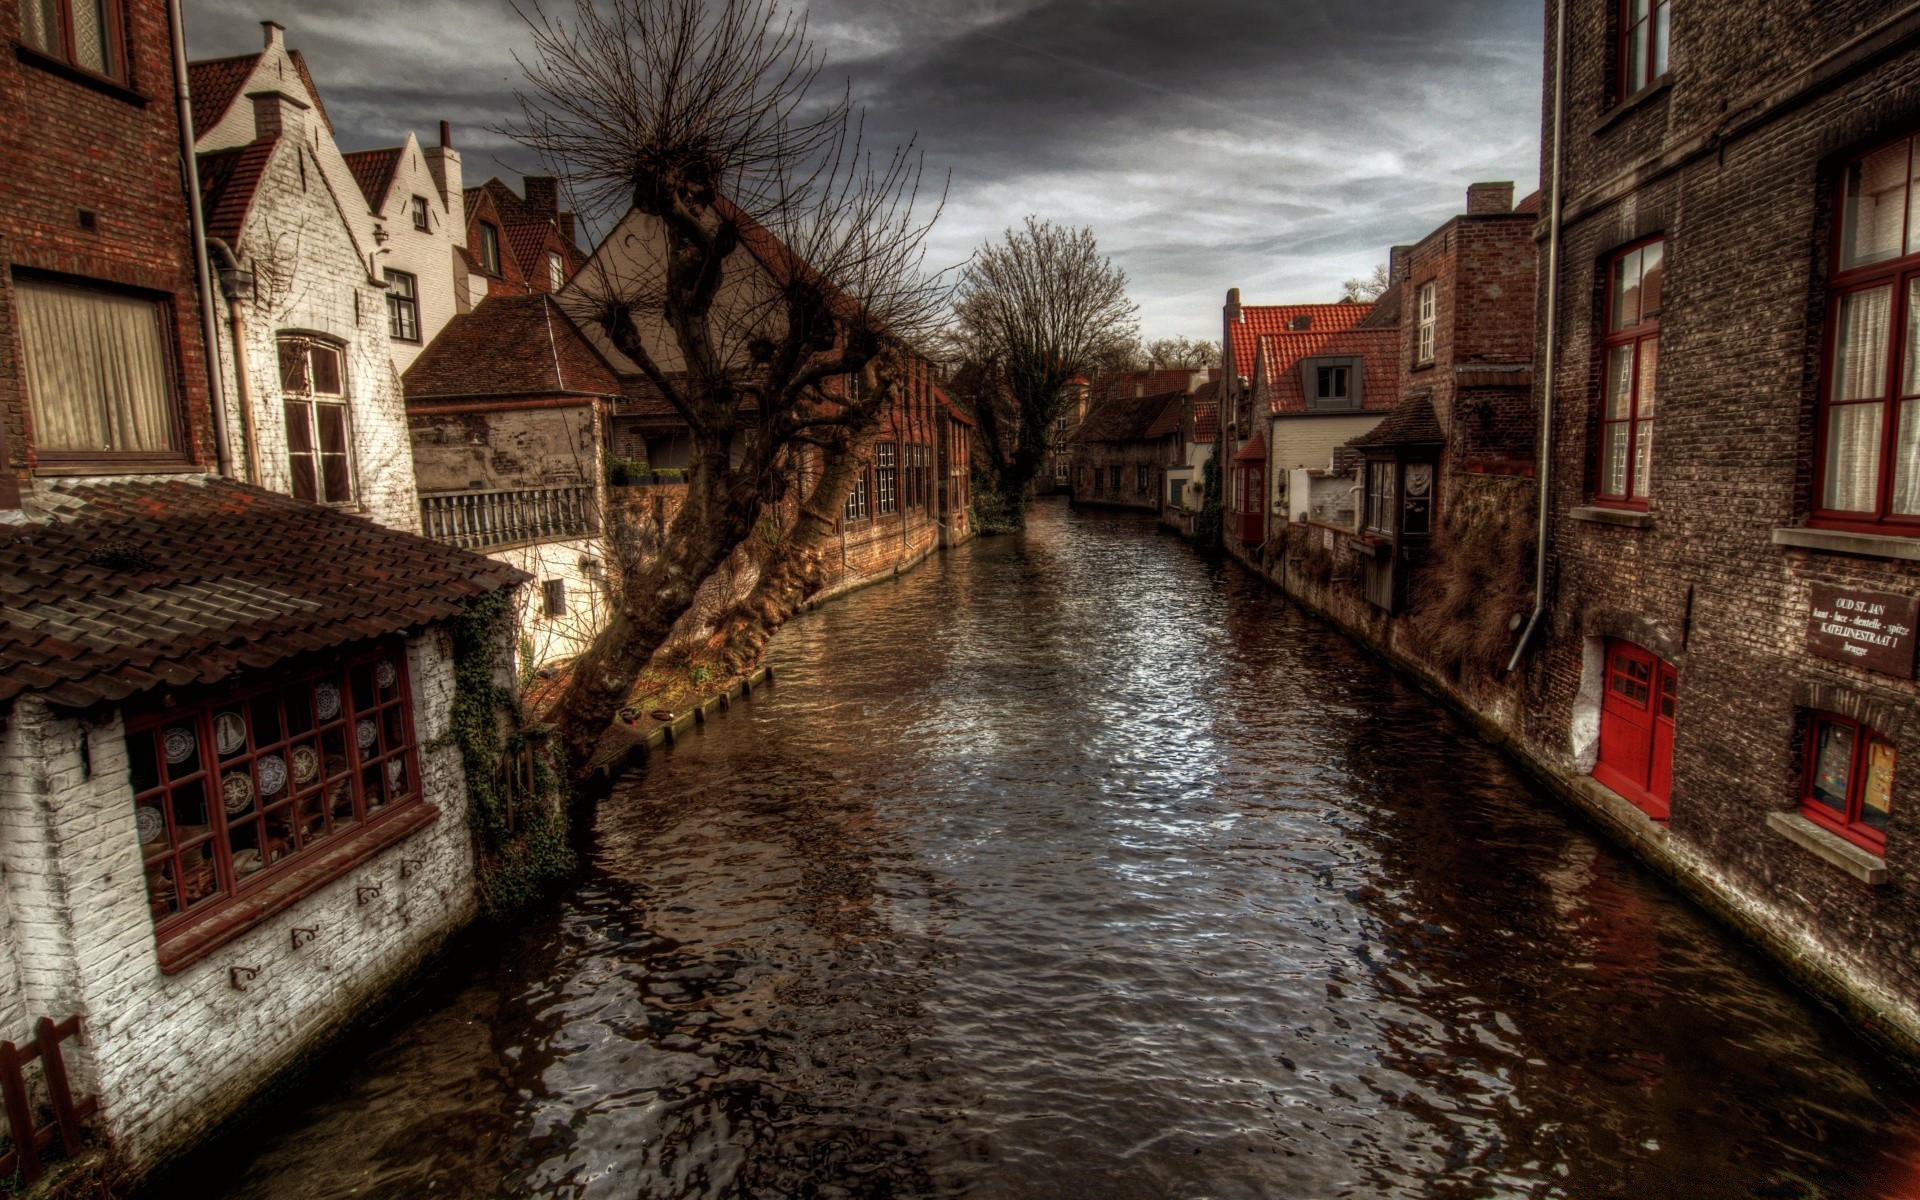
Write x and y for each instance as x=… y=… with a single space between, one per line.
x=1874 y=630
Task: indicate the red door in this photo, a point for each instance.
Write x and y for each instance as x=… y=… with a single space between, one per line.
x=1636 y=728
x=1253 y=494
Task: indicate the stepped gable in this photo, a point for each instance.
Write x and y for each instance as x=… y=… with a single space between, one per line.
x=140 y=584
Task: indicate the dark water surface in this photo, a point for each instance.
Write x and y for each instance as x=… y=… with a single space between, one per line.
x=1072 y=866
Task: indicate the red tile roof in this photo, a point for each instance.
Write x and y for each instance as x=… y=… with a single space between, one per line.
x=1206 y=412
x=1156 y=382
x=1411 y=423
x=510 y=346
x=143 y=584
x=214 y=83
x=1169 y=421
x=373 y=171
x=1126 y=418
x=1530 y=205
x=1255 y=450
x=1378 y=350
x=1259 y=320
x=228 y=181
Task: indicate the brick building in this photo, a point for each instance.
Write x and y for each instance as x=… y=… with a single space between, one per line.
x=1724 y=670
x=419 y=226
x=229 y=812
x=517 y=245
x=1121 y=452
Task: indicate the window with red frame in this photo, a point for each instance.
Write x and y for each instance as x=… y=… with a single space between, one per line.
x=1849 y=784
x=85 y=33
x=1869 y=429
x=1630 y=361
x=1643 y=45
x=231 y=792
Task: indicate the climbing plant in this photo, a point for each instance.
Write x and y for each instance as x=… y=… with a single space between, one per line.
x=1206 y=523
x=516 y=782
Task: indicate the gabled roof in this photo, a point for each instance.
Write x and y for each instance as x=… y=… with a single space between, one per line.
x=1126 y=418
x=1530 y=205
x=510 y=346
x=229 y=179
x=1206 y=412
x=141 y=584
x=1127 y=384
x=1411 y=423
x=1258 y=320
x=1378 y=350
x=214 y=83
x=1168 y=422
x=373 y=170
x=1255 y=450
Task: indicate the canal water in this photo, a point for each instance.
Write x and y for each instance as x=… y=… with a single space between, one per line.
x=1073 y=866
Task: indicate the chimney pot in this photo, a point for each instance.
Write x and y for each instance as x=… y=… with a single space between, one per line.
x=1489 y=198
x=1233 y=304
x=446 y=134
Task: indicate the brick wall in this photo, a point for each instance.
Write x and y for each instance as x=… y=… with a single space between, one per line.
x=172 y=1055
x=115 y=152
x=1088 y=474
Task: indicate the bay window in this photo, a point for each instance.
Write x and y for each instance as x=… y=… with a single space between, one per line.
x=1630 y=360
x=81 y=33
x=1868 y=457
x=1849 y=780
x=236 y=791
x=313 y=388
x=99 y=380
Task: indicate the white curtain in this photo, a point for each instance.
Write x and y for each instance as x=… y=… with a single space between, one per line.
x=96 y=370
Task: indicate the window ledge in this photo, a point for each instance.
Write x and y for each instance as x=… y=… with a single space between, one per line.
x=1839 y=541
x=1867 y=867
x=87 y=79
x=1639 y=99
x=195 y=942
x=1630 y=518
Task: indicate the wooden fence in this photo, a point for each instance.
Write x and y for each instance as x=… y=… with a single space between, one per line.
x=29 y=1136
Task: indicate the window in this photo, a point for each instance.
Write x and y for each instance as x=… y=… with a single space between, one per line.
x=311 y=380
x=553 y=597
x=489 y=248
x=1869 y=454
x=1643 y=45
x=886 y=477
x=1142 y=478
x=418 y=207
x=1631 y=360
x=84 y=33
x=1113 y=479
x=1428 y=317
x=97 y=372
x=1380 y=497
x=1176 y=492
x=857 y=509
x=1849 y=783
x=1333 y=384
x=403 y=306
x=556 y=270
x=235 y=791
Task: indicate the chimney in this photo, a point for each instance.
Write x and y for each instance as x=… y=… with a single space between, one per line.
x=1233 y=305
x=543 y=195
x=566 y=228
x=276 y=114
x=1399 y=264
x=275 y=31
x=1483 y=198
x=443 y=162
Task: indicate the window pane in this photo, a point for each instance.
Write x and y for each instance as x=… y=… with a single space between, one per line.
x=304 y=484
x=1832 y=765
x=1906 y=461
x=1626 y=290
x=1646 y=394
x=1659 y=54
x=1636 y=61
x=1853 y=458
x=1653 y=262
x=332 y=422
x=1876 y=207
x=1860 y=345
x=1613 y=458
x=326 y=370
x=97 y=371
x=92 y=37
x=40 y=23
x=1876 y=798
x=1619 y=399
x=1642 y=456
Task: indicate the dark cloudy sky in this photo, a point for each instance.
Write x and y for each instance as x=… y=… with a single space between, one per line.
x=1275 y=145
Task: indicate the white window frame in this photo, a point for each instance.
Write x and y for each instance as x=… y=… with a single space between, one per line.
x=1428 y=312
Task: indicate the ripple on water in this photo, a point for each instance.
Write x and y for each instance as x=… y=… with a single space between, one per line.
x=1073 y=866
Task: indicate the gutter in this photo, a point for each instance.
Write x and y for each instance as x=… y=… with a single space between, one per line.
x=202 y=266
x=1549 y=355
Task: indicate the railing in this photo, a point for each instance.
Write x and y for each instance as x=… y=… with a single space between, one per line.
x=484 y=520
x=29 y=1136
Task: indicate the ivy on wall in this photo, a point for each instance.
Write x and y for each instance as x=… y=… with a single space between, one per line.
x=516 y=784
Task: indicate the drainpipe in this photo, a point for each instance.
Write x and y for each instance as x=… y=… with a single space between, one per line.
x=209 y=320
x=1550 y=355
x=236 y=284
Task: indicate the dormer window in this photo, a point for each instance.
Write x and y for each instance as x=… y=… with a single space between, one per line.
x=81 y=33
x=556 y=269
x=489 y=248
x=1331 y=384
x=418 y=207
x=1334 y=385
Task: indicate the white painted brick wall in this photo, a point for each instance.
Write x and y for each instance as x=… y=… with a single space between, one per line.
x=588 y=606
x=171 y=1056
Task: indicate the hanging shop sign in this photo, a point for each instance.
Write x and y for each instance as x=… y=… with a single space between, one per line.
x=1874 y=630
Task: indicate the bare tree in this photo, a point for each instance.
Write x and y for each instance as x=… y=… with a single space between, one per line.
x=1367 y=287
x=760 y=261
x=1176 y=352
x=1034 y=309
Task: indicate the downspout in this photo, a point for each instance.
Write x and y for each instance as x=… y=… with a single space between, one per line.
x=242 y=385
x=1549 y=356
x=209 y=319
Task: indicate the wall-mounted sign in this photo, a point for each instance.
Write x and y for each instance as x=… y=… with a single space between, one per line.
x=1874 y=630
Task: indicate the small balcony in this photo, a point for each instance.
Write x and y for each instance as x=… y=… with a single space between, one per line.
x=492 y=520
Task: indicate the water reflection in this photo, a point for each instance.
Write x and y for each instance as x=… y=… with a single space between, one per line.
x=1073 y=866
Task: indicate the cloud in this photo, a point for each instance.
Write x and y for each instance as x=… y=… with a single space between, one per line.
x=1275 y=145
